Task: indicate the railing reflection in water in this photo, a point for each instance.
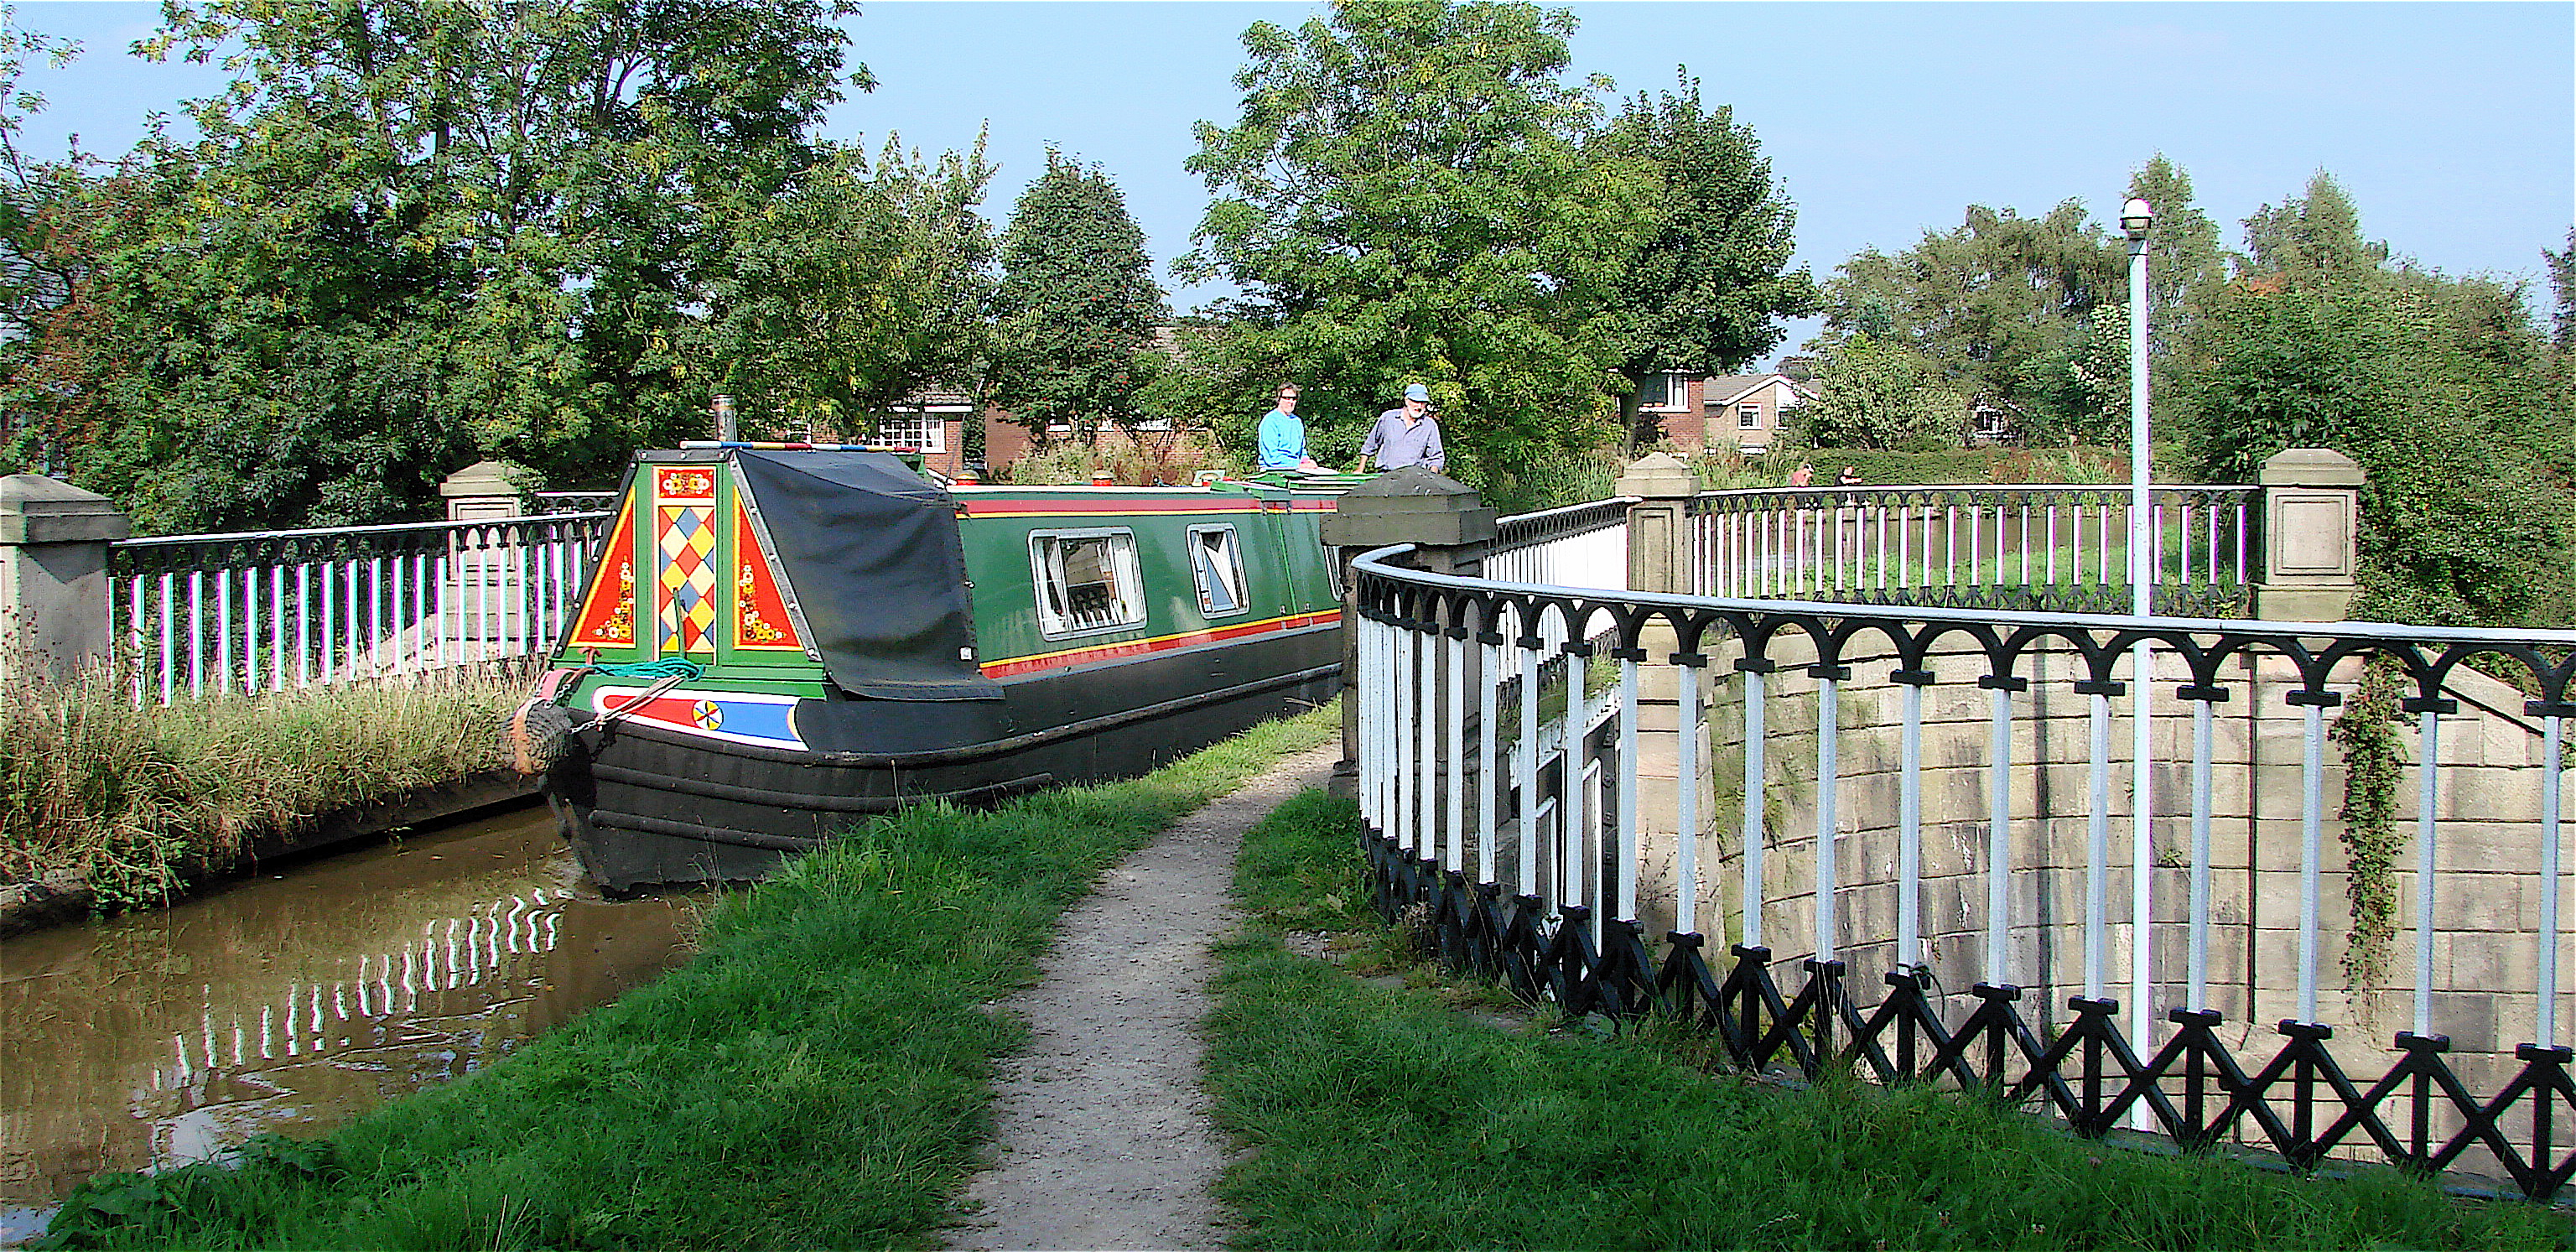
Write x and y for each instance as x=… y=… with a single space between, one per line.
x=294 y=1003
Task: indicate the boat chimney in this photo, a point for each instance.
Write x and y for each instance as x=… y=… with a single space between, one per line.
x=728 y=426
x=1103 y=478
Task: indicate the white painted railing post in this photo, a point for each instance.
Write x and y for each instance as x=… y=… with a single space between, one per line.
x=1451 y=526
x=53 y=577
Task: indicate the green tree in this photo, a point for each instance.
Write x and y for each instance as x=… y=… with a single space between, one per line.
x=2439 y=387
x=1409 y=196
x=413 y=233
x=1075 y=314
x=1707 y=291
x=850 y=289
x=1881 y=393
x=2562 y=288
x=2312 y=241
x=2080 y=389
x=2185 y=259
x=1984 y=300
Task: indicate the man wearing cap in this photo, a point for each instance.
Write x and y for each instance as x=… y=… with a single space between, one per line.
x=1406 y=436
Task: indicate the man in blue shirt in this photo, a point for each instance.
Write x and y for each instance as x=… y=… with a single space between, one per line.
x=1281 y=441
x=1406 y=436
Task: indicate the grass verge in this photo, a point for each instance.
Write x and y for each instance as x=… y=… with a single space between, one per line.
x=1383 y=1118
x=816 y=1077
x=121 y=795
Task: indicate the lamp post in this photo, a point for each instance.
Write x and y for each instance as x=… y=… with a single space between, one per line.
x=2135 y=217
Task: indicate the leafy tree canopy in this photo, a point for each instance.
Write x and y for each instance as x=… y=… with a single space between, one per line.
x=2310 y=242
x=2439 y=387
x=1706 y=292
x=1075 y=314
x=1410 y=195
x=1881 y=393
x=414 y=233
x=845 y=292
x=2012 y=308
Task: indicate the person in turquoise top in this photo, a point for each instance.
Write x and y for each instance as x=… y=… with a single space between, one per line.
x=1281 y=441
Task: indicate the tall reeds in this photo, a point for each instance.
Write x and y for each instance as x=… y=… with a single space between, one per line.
x=122 y=795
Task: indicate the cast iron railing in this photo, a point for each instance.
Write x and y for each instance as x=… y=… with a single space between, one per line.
x=271 y=610
x=1614 y=799
x=2043 y=547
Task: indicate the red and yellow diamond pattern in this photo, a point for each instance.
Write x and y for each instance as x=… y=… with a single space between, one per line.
x=685 y=591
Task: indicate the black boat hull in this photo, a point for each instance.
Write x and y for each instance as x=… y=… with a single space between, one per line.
x=644 y=805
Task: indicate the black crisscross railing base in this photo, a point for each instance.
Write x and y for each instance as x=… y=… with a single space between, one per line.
x=2299 y=1103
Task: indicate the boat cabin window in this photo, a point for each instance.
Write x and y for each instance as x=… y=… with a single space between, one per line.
x=1087 y=580
x=1218 y=561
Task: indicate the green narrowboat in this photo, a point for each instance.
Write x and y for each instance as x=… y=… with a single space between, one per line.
x=779 y=639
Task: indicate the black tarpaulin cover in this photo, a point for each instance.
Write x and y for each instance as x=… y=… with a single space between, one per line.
x=871 y=552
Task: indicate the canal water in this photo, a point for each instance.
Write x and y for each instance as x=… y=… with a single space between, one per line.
x=296 y=1000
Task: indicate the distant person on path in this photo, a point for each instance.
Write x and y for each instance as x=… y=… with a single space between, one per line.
x=1850 y=478
x=1406 y=436
x=1804 y=474
x=1281 y=441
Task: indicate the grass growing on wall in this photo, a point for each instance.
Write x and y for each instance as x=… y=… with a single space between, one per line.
x=815 y=1078
x=121 y=794
x=1381 y=1118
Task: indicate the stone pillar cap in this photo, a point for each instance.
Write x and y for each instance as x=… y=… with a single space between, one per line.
x=37 y=509
x=1409 y=505
x=1658 y=476
x=483 y=478
x=1411 y=489
x=2310 y=467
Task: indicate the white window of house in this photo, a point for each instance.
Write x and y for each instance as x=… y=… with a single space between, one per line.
x=926 y=430
x=1664 y=391
x=1217 y=559
x=1151 y=425
x=1087 y=580
x=1748 y=415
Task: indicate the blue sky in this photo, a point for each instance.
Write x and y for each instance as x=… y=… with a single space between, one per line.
x=2453 y=126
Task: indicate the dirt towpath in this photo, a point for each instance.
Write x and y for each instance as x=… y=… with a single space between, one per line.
x=1103 y=1137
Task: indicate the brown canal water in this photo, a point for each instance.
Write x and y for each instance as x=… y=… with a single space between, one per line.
x=295 y=1001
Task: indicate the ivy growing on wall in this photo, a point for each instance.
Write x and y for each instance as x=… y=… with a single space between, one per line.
x=2367 y=733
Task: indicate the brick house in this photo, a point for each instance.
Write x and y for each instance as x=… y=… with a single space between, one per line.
x=1724 y=412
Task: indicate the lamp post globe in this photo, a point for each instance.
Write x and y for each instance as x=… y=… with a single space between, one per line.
x=2135 y=217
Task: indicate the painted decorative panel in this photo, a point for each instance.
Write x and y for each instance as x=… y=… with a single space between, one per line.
x=760 y=620
x=608 y=611
x=684 y=583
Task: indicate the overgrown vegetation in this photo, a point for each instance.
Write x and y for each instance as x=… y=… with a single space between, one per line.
x=2080 y=465
x=406 y=237
x=2453 y=398
x=2373 y=758
x=1383 y=1118
x=1141 y=460
x=125 y=794
x=814 y=1078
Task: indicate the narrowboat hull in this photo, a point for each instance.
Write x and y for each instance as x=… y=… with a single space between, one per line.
x=645 y=804
x=777 y=643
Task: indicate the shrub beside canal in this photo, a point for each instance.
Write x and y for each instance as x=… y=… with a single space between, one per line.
x=816 y=1077
x=99 y=789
